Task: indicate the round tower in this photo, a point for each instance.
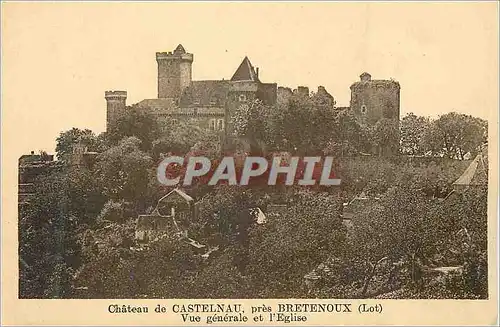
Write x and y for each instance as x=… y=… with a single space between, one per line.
x=174 y=72
x=372 y=100
x=116 y=104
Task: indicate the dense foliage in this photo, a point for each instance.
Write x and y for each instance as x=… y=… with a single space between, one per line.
x=76 y=238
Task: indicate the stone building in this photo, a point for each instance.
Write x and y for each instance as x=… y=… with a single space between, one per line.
x=30 y=167
x=372 y=100
x=172 y=215
x=211 y=103
x=208 y=103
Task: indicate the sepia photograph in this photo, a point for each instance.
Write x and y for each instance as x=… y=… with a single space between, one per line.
x=193 y=150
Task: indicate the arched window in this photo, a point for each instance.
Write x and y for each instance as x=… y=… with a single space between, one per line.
x=363 y=109
x=242 y=98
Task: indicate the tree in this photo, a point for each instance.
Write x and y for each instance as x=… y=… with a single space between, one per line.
x=180 y=137
x=413 y=128
x=394 y=229
x=454 y=135
x=414 y=233
x=252 y=124
x=386 y=136
x=249 y=120
x=124 y=171
x=288 y=247
x=224 y=213
x=48 y=249
x=301 y=126
x=436 y=179
x=67 y=140
x=349 y=137
x=139 y=123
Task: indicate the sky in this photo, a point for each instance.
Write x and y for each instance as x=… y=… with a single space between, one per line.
x=59 y=58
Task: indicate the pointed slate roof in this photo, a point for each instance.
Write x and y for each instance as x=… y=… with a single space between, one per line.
x=180 y=49
x=475 y=174
x=245 y=72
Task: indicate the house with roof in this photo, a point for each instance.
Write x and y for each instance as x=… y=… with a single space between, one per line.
x=476 y=173
x=170 y=219
x=171 y=216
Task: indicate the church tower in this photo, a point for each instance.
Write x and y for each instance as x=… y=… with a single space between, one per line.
x=174 y=72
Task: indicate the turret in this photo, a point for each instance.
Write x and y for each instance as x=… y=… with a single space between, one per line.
x=174 y=72
x=116 y=104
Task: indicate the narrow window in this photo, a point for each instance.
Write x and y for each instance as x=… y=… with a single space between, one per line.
x=220 y=126
x=363 y=109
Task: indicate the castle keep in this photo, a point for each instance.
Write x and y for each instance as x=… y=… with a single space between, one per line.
x=372 y=100
x=211 y=103
x=207 y=103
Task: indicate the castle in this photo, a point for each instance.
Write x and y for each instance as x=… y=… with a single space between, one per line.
x=211 y=103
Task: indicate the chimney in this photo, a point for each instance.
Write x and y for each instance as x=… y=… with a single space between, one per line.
x=257 y=71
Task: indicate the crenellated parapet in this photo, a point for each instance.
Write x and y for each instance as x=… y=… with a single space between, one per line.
x=116 y=102
x=174 y=72
x=380 y=84
x=115 y=95
x=172 y=56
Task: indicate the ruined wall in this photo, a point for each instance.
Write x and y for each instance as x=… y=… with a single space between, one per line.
x=283 y=95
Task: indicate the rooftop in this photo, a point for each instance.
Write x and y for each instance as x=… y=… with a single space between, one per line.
x=245 y=72
x=205 y=93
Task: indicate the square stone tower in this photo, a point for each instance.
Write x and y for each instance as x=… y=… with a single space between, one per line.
x=174 y=72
